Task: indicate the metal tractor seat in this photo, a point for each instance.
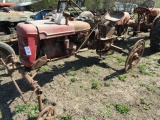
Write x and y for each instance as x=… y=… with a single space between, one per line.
x=114 y=16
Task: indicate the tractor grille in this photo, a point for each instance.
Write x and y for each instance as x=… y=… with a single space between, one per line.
x=22 y=42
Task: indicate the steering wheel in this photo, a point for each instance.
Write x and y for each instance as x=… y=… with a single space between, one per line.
x=150 y=4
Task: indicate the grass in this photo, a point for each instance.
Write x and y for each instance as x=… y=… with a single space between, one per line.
x=96 y=72
x=66 y=117
x=106 y=84
x=122 y=77
x=95 y=85
x=143 y=70
x=30 y=109
x=73 y=79
x=44 y=68
x=121 y=60
x=70 y=73
x=151 y=89
x=107 y=111
x=86 y=118
x=142 y=84
x=123 y=109
x=87 y=70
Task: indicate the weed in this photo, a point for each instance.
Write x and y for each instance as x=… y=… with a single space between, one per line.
x=122 y=77
x=73 y=79
x=86 y=118
x=87 y=70
x=142 y=69
x=30 y=109
x=123 y=109
x=70 y=73
x=142 y=84
x=87 y=89
x=107 y=84
x=73 y=69
x=66 y=117
x=158 y=75
x=142 y=100
x=95 y=85
x=121 y=59
x=97 y=72
x=151 y=89
x=44 y=68
x=107 y=111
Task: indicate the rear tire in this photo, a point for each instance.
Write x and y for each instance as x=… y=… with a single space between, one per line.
x=5 y=53
x=155 y=38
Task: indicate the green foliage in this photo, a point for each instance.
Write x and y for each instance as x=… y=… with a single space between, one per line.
x=107 y=84
x=73 y=79
x=87 y=70
x=151 y=89
x=143 y=70
x=30 y=109
x=123 y=109
x=122 y=77
x=70 y=73
x=121 y=59
x=66 y=117
x=97 y=72
x=95 y=85
x=87 y=118
x=45 y=4
x=142 y=84
x=44 y=68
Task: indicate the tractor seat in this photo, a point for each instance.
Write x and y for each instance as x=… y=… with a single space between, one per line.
x=114 y=16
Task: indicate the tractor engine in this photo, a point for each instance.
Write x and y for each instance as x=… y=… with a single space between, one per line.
x=43 y=40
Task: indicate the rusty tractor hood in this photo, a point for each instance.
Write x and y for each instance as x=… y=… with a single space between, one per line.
x=6 y=4
x=48 y=29
x=118 y=16
x=12 y=16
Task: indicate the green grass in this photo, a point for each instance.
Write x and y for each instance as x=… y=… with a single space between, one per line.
x=107 y=111
x=73 y=79
x=121 y=59
x=70 y=73
x=44 y=68
x=123 y=109
x=96 y=72
x=143 y=70
x=142 y=84
x=106 y=84
x=95 y=85
x=30 y=109
x=86 y=118
x=158 y=75
x=66 y=117
x=151 y=89
x=87 y=70
x=122 y=77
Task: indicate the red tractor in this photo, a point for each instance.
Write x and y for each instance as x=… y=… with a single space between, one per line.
x=52 y=39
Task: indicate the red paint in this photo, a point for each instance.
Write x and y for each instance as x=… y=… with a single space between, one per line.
x=27 y=36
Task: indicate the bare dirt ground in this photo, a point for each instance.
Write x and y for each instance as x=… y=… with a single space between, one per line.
x=87 y=87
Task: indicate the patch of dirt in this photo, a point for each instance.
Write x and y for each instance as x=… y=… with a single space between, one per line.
x=139 y=91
